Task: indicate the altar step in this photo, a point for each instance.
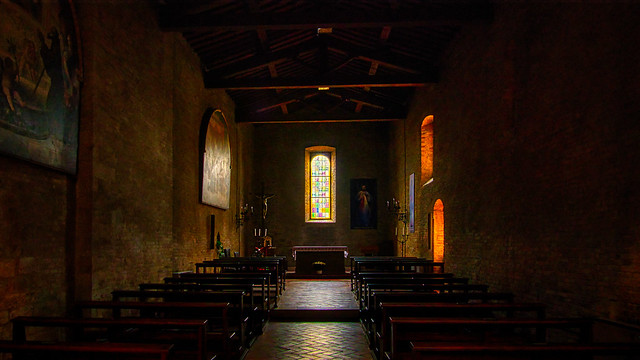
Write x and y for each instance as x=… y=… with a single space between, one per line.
x=307 y=315
x=293 y=275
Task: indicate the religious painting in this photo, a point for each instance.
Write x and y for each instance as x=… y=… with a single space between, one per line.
x=216 y=160
x=412 y=202
x=363 y=204
x=41 y=71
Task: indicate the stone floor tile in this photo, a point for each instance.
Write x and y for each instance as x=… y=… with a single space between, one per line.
x=313 y=340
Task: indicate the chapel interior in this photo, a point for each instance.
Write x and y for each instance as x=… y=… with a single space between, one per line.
x=497 y=137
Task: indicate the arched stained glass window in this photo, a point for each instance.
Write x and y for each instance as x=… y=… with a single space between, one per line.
x=320 y=189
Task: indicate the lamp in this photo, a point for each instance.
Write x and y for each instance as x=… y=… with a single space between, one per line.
x=243 y=215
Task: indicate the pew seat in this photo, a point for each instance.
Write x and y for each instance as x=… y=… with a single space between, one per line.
x=452 y=351
x=89 y=350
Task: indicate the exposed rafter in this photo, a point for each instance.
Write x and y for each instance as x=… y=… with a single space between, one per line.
x=320 y=60
x=174 y=18
x=319 y=82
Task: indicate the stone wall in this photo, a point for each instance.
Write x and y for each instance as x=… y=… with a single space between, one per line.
x=536 y=156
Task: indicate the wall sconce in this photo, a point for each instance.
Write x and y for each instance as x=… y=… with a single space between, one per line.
x=244 y=214
x=395 y=209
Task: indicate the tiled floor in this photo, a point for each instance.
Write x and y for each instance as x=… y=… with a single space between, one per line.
x=318 y=294
x=313 y=340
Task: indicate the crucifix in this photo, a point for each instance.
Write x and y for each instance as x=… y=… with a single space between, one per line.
x=264 y=198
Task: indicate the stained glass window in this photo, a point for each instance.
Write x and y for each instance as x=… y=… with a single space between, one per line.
x=320 y=184
x=320 y=187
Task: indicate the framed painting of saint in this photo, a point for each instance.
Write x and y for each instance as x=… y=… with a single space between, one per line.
x=363 y=204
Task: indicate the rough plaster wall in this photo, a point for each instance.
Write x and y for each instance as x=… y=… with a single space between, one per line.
x=279 y=153
x=536 y=156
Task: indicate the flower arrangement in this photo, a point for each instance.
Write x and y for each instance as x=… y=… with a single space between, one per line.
x=318 y=266
x=219 y=248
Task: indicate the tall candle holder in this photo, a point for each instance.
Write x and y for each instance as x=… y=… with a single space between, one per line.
x=395 y=208
x=243 y=215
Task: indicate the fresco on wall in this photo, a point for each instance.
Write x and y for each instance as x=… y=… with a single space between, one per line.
x=216 y=162
x=363 y=204
x=40 y=69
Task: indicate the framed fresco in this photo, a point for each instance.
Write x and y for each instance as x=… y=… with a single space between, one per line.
x=41 y=71
x=412 y=203
x=215 y=157
x=363 y=204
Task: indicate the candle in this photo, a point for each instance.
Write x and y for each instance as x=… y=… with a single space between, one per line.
x=265 y=232
x=255 y=232
x=259 y=232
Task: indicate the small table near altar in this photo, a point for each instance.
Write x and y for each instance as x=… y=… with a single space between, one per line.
x=333 y=256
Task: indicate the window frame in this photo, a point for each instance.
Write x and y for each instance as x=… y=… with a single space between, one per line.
x=330 y=152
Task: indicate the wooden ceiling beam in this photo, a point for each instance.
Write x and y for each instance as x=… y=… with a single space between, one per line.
x=316 y=82
x=360 y=101
x=316 y=118
x=265 y=59
x=382 y=57
x=176 y=18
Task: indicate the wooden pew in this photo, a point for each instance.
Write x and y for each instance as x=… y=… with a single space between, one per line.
x=276 y=265
x=367 y=300
x=403 y=330
x=380 y=320
x=257 y=315
x=239 y=314
x=367 y=314
x=393 y=264
x=220 y=337
x=261 y=279
x=91 y=350
x=187 y=335
x=370 y=285
x=428 y=350
x=394 y=275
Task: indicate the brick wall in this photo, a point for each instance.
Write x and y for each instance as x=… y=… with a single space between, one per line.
x=536 y=149
x=132 y=214
x=361 y=152
x=147 y=101
x=33 y=217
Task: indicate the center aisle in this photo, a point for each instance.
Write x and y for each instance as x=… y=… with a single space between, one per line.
x=324 y=339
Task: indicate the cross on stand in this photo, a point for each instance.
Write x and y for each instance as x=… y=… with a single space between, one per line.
x=263 y=241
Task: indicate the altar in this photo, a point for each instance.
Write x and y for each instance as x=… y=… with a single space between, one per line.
x=333 y=256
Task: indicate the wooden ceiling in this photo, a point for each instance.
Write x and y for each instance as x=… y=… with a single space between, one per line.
x=319 y=60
